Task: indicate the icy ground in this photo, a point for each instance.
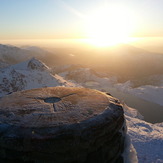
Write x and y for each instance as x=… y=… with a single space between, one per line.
x=146 y=138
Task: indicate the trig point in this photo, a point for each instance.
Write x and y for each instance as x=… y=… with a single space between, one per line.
x=61 y=125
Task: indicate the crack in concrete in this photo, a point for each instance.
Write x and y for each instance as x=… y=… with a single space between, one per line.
x=54 y=106
x=68 y=95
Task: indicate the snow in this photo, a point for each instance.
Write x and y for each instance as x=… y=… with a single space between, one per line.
x=150 y=93
x=28 y=75
x=85 y=76
x=147 y=92
x=90 y=79
x=129 y=154
x=146 y=138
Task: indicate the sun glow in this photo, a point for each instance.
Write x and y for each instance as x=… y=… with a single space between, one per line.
x=110 y=25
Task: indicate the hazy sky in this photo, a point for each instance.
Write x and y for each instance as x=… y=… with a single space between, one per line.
x=50 y=19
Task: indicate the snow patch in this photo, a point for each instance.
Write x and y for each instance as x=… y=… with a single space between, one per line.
x=146 y=138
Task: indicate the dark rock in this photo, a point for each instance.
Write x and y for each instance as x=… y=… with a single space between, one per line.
x=61 y=125
x=35 y=64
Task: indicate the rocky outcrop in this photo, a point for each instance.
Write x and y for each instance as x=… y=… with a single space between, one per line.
x=35 y=64
x=61 y=125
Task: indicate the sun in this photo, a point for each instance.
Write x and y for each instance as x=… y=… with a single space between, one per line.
x=109 y=25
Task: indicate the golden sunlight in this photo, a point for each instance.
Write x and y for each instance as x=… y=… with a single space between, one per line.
x=108 y=26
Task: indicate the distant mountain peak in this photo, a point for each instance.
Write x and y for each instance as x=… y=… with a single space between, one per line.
x=35 y=64
x=28 y=75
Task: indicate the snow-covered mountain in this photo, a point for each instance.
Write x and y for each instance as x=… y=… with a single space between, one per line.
x=84 y=76
x=147 y=92
x=27 y=75
x=92 y=79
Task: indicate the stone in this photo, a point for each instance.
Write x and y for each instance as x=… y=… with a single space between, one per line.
x=61 y=125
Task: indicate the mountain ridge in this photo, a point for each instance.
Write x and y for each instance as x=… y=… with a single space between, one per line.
x=27 y=75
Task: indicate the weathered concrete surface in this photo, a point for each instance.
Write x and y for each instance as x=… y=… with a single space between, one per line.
x=61 y=125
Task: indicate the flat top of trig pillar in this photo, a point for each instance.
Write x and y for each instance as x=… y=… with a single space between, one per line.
x=52 y=106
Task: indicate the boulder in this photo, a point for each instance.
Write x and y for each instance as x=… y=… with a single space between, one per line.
x=61 y=125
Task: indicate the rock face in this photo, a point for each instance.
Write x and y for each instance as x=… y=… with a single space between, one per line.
x=35 y=64
x=61 y=125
